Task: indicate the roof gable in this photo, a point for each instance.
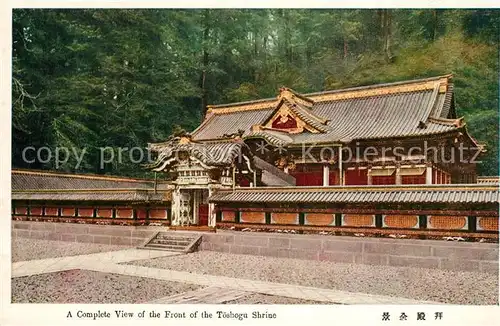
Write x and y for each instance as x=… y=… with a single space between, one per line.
x=293 y=115
x=403 y=109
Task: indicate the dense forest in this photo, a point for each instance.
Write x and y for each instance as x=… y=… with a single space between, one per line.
x=92 y=78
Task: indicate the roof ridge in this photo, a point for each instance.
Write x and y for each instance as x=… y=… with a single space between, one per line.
x=296 y=94
x=458 y=122
x=84 y=190
x=76 y=175
x=398 y=83
x=341 y=90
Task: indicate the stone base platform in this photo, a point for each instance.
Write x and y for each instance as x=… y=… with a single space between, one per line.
x=436 y=254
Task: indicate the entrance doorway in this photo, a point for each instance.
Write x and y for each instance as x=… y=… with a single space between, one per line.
x=203 y=214
x=202 y=201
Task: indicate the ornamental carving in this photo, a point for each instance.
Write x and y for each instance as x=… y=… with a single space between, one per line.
x=401 y=221
x=285 y=121
x=183 y=156
x=488 y=223
x=320 y=219
x=447 y=222
x=285 y=218
x=253 y=217
x=358 y=220
x=286 y=162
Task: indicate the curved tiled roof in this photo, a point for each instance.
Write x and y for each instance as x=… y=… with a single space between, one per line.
x=412 y=108
x=44 y=185
x=219 y=124
x=273 y=137
x=38 y=180
x=365 y=194
x=134 y=196
x=212 y=154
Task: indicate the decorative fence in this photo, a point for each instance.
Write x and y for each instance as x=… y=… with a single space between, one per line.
x=398 y=223
x=467 y=211
x=92 y=213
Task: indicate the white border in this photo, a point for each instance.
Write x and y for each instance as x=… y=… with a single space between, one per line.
x=53 y=314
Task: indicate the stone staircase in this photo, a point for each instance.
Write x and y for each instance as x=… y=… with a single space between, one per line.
x=172 y=241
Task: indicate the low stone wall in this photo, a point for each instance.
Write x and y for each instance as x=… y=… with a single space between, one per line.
x=103 y=234
x=461 y=256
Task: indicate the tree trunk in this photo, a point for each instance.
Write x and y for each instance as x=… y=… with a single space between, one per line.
x=264 y=47
x=204 y=93
x=288 y=50
x=255 y=52
x=386 y=21
x=345 y=48
x=434 y=24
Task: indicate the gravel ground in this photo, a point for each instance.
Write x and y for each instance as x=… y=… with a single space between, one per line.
x=81 y=286
x=415 y=283
x=258 y=298
x=32 y=249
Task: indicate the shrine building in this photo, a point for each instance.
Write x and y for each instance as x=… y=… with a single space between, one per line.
x=390 y=156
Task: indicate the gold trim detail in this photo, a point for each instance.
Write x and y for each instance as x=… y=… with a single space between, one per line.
x=448 y=187
x=339 y=95
x=284 y=111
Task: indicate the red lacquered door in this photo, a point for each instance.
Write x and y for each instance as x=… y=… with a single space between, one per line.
x=203 y=214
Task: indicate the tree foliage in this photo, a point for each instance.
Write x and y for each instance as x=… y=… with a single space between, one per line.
x=92 y=78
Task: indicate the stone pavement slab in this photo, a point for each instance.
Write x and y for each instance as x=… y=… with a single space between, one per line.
x=278 y=289
x=108 y=262
x=31 y=267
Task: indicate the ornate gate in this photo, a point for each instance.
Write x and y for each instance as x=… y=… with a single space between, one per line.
x=185 y=211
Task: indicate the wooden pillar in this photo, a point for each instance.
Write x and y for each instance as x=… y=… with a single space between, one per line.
x=175 y=208
x=212 y=214
x=234 y=177
x=428 y=175
x=338 y=219
x=422 y=221
x=398 y=175
x=254 y=178
x=341 y=171
x=326 y=175
x=369 y=177
x=301 y=218
x=196 y=200
x=472 y=223
x=268 y=217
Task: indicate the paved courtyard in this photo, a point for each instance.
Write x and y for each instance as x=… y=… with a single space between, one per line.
x=68 y=272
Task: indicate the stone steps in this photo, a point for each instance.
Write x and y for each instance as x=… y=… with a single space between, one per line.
x=169 y=241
